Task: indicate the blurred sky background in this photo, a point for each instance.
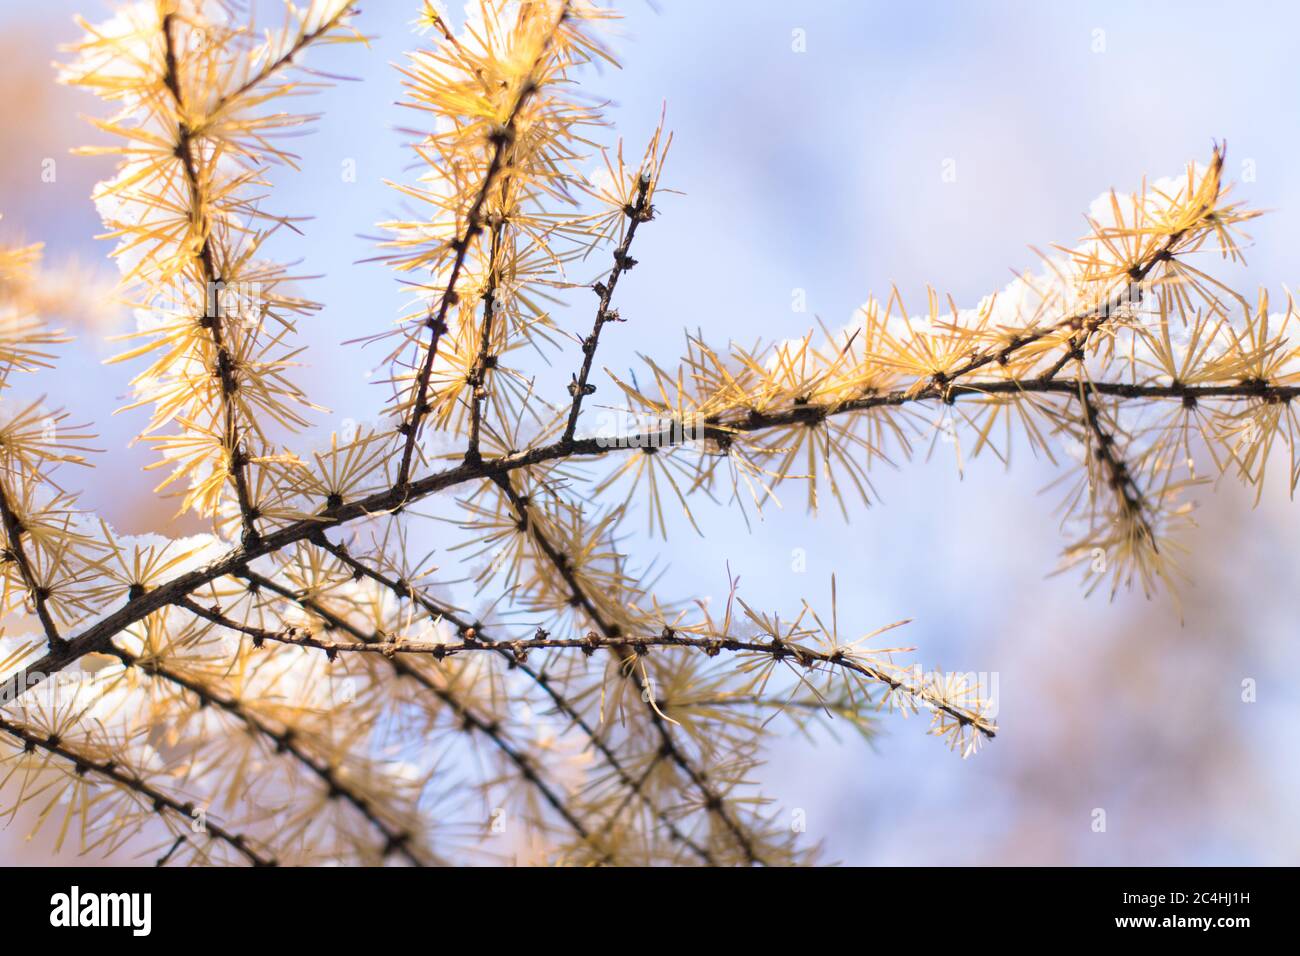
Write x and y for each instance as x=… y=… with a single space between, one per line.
x=822 y=171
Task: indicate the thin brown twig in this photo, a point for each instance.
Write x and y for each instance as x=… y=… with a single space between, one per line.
x=1121 y=480
x=1087 y=320
x=800 y=654
x=285 y=59
x=638 y=212
x=478 y=375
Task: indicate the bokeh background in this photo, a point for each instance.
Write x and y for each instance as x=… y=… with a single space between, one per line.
x=810 y=147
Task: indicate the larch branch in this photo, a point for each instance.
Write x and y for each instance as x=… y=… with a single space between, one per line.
x=1120 y=477
x=473 y=635
x=783 y=650
x=483 y=360
x=502 y=139
x=39 y=593
x=471 y=720
x=159 y=801
x=212 y=318
x=282 y=740
x=638 y=212
x=97 y=635
x=286 y=58
x=714 y=802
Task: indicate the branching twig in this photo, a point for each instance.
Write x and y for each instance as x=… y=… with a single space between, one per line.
x=97 y=635
x=1088 y=320
x=502 y=159
x=286 y=58
x=502 y=138
x=805 y=657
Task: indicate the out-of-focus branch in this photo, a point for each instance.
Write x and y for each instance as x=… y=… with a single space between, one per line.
x=473 y=635
x=15 y=552
x=157 y=799
x=714 y=802
x=282 y=740
x=490 y=729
